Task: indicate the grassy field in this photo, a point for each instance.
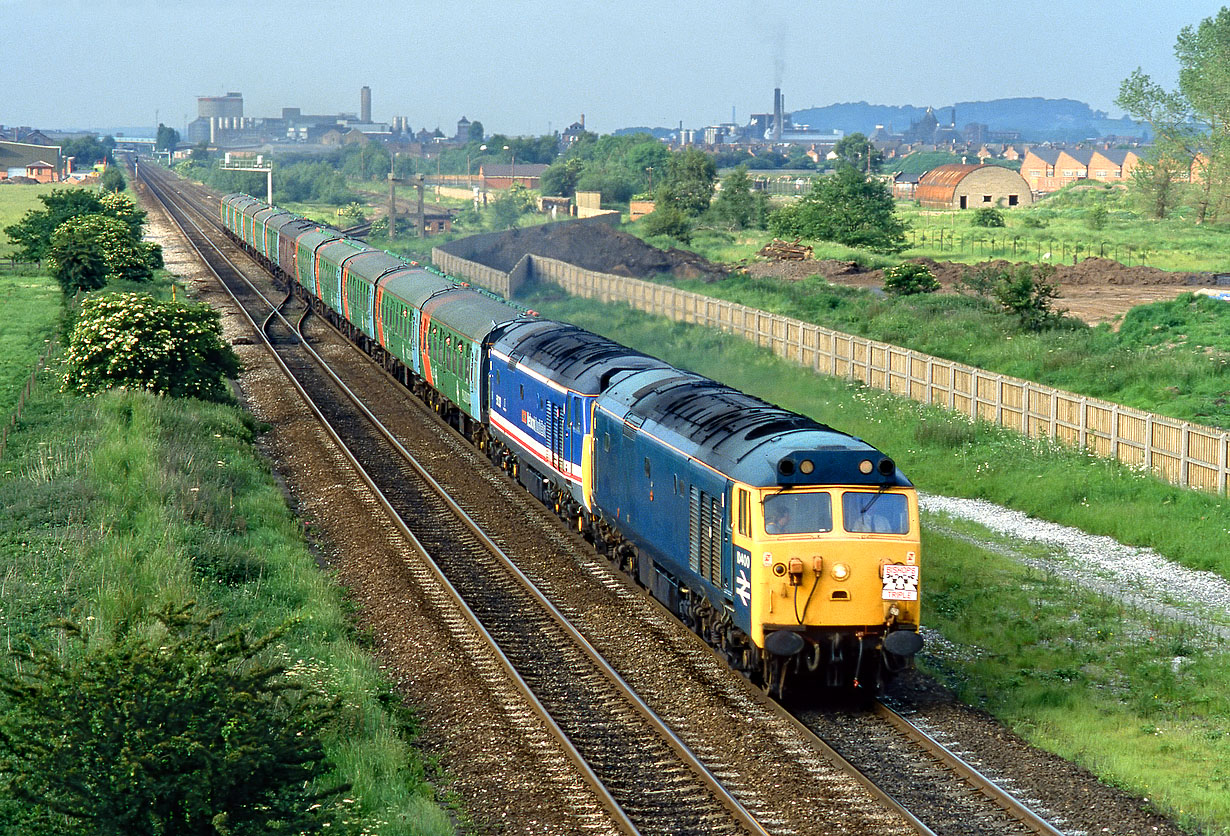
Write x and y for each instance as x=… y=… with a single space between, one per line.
x=1136 y=699
x=114 y=506
x=15 y=200
x=1065 y=225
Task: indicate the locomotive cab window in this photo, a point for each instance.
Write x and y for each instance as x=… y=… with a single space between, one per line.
x=875 y=513
x=798 y=513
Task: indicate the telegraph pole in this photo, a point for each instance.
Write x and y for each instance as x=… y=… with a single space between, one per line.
x=392 y=200
x=418 y=184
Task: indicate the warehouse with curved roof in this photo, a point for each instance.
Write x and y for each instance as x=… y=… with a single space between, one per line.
x=972 y=187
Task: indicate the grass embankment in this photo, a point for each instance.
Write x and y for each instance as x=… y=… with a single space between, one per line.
x=114 y=506
x=1140 y=701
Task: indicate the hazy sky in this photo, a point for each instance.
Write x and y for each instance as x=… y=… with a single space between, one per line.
x=523 y=67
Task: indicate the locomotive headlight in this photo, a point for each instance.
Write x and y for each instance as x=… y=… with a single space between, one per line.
x=840 y=571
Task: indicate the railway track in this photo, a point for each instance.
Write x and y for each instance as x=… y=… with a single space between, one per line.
x=646 y=777
x=617 y=738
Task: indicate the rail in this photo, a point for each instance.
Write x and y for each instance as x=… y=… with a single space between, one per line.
x=1185 y=454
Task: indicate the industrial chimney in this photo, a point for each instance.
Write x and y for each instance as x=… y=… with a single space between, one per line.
x=365 y=104
x=777 y=114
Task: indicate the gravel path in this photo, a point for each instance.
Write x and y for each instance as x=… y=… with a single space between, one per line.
x=1138 y=576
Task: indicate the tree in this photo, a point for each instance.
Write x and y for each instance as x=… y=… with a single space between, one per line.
x=735 y=204
x=847 y=208
x=507 y=209
x=167 y=139
x=131 y=340
x=121 y=207
x=1190 y=123
x=78 y=262
x=857 y=152
x=32 y=234
x=1024 y=291
x=1097 y=215
x=112 y=180
x=183 y=733
x=88 y=150
x=476 y=131
x=688 y=185
x=561 y=177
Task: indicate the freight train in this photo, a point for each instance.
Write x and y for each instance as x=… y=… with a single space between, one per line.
x=792 y=548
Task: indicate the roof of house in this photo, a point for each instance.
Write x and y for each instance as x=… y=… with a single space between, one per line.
x=22 y=154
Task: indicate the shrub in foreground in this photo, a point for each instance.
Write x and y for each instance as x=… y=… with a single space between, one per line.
x=130 y=340
x=179 y=732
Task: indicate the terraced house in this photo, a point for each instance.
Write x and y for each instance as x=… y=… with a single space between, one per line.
x=1050 y=169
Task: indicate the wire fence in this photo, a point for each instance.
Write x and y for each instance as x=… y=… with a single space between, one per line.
x=1028 y=248
x=12 y=265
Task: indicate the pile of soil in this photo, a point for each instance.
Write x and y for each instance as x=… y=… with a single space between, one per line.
x=592 y=246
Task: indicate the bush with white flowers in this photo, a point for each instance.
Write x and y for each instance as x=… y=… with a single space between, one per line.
x=131 y=340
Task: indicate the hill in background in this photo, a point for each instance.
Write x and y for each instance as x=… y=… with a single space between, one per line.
x=1036 y=119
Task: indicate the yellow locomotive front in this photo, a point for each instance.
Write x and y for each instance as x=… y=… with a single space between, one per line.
x=833 y=579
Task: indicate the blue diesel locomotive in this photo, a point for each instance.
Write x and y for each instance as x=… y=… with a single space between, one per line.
x=791 y=547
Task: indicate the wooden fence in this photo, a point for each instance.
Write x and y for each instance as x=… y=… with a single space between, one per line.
x=1183 y=453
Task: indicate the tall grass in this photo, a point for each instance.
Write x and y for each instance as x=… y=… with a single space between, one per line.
x=113 y=506
x=29 y=300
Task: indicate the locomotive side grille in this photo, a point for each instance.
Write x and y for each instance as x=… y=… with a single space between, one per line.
x=704 y=536
x=694 y=529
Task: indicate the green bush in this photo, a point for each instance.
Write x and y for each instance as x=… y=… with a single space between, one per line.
x=164 y=729
x=910 y=278
x=127 y=257
x=987 y=217
x=130 y=340
x=77 y=261
x=669 y=221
